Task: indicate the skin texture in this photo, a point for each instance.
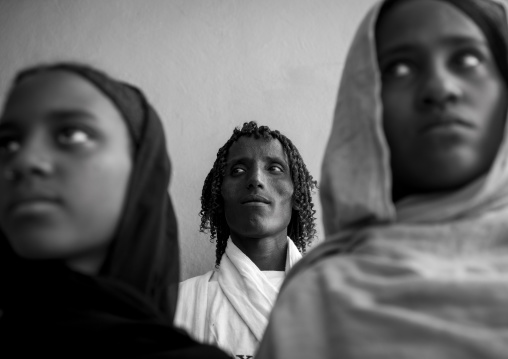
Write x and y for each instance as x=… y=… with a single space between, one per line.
x=64 y=170
x=258 y=167
x=444 y=100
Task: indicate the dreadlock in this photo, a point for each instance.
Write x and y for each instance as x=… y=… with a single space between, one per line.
x=301 y=227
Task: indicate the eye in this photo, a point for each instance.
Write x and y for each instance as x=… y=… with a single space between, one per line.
x=237 y=170
x=73 y=136
x=276 y=168
x=468 y=60
x=398 y=69
x=9 y=145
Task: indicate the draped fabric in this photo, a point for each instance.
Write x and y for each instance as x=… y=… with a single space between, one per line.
x=126 y=310
x=78 y=316
x=426 y=277
x=230 y=307
x=248 y=289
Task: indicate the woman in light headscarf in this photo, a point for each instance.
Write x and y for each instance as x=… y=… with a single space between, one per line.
x=415 y=195
x=88 y=236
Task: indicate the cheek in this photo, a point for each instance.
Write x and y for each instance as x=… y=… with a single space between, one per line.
x=488 y=107
x=285 y=191
x=3 y=191
x=490 y=101
x=399 y=119
x=394 y=116
x=99 y=197
x=3 y=188
x=287 y=205
x=227 y=191
x=105 y=181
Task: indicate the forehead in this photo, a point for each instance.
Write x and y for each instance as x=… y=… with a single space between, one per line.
x=423 y=22
x=252 y=148
x=55 y=91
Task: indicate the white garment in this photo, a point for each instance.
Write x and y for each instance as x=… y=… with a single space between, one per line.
x=229 y=307
x=275 y=277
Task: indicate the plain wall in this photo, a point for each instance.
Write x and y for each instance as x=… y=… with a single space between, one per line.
x=207 y=66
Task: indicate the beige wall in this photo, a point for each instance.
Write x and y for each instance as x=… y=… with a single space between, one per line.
x=207 y=66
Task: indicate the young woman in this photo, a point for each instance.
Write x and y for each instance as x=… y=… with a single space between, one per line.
x=415 y=195
x=257 y=204
x=87 y=230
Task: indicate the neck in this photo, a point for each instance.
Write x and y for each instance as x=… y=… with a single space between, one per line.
x=268 y=253
x=89 y=263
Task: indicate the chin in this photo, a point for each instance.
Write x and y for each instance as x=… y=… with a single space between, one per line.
x=39 y=246
x=449 y=171
x=254 y=234
x=260 y=232
x=448 y=179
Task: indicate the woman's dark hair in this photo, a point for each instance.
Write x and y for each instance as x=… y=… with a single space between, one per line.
x=301 y=227
x=488 y=15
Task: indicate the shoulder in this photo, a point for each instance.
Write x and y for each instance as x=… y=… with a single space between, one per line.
x=201 y=277
x=192 y=302
x=192 y=286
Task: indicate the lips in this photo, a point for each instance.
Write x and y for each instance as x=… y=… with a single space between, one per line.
x=254 y=198
x=445 y=121
x=31 y=198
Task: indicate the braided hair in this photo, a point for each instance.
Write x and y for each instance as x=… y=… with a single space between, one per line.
x=301 y=228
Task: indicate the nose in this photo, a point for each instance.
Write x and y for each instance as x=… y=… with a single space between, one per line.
x=256 y=178
x=33 y=158
x=439 y=89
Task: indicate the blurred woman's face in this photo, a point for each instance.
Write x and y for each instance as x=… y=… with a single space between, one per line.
x=64 y=169
x=444 y=99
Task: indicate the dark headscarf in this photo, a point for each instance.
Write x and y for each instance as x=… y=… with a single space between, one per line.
x=489 y=16
x=127 y=309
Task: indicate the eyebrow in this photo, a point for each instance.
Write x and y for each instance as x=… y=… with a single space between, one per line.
x=236 y=160
x=62 y=115
x=405 y=46
x=277 y=159
x=7 y=123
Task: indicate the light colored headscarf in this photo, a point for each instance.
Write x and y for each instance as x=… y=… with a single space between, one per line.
x=426 y=277
x=356 y=175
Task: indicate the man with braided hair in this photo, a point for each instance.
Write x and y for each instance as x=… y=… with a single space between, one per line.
x=257 y=206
